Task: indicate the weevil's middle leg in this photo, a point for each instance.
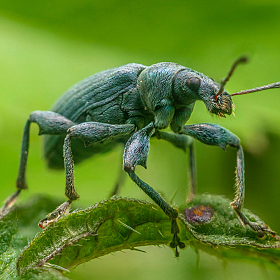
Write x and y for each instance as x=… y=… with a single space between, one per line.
x=135 y=153
x=119 y=183
x=185 y=143
x=89 y=132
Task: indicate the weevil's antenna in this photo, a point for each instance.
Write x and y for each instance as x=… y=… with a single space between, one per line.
x=274 y=85
x=242 y=59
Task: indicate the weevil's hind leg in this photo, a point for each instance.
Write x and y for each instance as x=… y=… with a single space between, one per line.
x=89 y=132
x=49 y=123
x=119 y=183
x=212 y=134
x=20 y=182
x=185 y=143
x=135 y=153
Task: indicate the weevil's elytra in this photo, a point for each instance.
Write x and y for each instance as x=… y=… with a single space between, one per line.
x=130 y=104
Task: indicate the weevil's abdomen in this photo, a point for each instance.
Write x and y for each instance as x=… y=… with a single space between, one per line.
x=100 y=98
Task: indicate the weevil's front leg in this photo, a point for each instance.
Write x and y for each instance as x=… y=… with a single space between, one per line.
x=185 y=143
x=49 y=123
x=89 y=132
x=135 y=153
x=212 y=134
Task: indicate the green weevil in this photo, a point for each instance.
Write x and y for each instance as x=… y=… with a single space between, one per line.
x=129 y=105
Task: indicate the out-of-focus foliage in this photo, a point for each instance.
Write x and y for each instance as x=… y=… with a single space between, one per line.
x=47 y=46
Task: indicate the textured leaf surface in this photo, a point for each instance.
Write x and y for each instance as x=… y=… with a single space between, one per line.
x=116 y=224
x=112 y=225
x=16 y=229
x=225 y=237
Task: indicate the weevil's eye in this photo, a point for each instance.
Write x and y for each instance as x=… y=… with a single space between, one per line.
x=194 y=84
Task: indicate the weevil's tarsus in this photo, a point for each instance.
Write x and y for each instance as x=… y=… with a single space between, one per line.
x=261 y=230
x=242 y=59
x=175 y=243
x=270 y=86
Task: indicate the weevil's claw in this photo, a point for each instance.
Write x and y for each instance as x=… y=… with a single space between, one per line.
x=55 y=215
x=177 y=243
x=261 y=230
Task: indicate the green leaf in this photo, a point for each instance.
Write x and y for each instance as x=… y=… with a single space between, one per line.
x=225 y=237
x=16 y=229
x=208 y=224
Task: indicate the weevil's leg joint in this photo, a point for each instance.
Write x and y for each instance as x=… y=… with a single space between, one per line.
x=137 y=148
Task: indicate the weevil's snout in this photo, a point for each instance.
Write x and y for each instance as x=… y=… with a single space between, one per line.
x=221 y=105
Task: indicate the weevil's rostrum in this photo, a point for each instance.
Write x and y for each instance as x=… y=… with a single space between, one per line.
x=129 y=105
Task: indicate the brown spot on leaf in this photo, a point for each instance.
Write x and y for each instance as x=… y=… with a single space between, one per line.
x=199 y=214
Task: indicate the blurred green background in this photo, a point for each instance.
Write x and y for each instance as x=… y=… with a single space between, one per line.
x=47 y=46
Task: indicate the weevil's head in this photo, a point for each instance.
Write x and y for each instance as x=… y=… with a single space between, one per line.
x=191 y=86
x=196 y=86
x=216 y=99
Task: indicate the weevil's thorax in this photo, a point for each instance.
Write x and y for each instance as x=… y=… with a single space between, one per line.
x=155 y=84
x=190 y=86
